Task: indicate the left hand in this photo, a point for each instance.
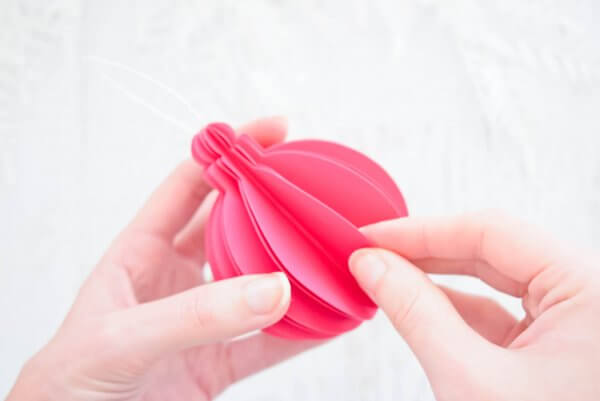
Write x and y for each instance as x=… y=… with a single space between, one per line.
x=144 y=326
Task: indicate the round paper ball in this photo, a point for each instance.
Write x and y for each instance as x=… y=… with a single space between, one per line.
x=296 y=208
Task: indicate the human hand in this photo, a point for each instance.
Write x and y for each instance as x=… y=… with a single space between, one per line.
x=144 y=327
x=469 y=346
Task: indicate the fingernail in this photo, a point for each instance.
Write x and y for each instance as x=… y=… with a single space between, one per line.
x=263 y=295
x=367 y=267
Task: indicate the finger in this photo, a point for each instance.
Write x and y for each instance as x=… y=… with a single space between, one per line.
x=190 y=241
x=476 y=268
x=176 y=200
x=267 y=131
x=418 y=309
x=173 y=203
x=241 y=358
x=514 y=249
x=206 y=314
x=256 y=353
x=484 y=315
x=514 y=338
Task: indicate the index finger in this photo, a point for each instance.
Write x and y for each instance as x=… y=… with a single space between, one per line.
x=176 y=200
x=513 y=248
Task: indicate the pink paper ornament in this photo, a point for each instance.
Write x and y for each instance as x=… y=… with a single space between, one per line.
x=296 y=208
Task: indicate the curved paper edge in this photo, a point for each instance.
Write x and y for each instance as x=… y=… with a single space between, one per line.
x=283 y=328
x=349 y=193
x=337 y=238
x=216 y=253
x=357 y=305
x=249 y=255
x=351 y=159
x=286 y=328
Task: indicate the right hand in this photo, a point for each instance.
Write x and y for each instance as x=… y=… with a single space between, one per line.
x=469 y=346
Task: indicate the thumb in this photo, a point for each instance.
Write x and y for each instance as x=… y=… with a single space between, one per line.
x=418 y=309
x=202 y=315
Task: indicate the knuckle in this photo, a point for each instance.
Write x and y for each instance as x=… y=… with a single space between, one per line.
x=201 y=312
x=382 y=285
x=484 y=225
x=405 y=316
x=490 y=219
x=496 y=220
x=228 y=365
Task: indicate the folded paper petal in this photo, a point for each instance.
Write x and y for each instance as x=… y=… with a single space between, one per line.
x=296 y=208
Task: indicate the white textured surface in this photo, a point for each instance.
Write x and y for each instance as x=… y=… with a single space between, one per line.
x=469 y=104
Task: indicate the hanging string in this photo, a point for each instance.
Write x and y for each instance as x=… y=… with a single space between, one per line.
x=139 y=100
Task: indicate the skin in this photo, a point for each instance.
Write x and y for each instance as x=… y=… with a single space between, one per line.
x=145 y=326
x=469 y=346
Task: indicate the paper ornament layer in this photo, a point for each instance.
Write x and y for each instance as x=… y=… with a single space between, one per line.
x=295 y=208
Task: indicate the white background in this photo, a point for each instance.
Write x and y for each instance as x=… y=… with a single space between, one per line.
x=469 y=105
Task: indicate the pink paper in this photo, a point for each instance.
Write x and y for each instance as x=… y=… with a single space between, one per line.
x=296 y=208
